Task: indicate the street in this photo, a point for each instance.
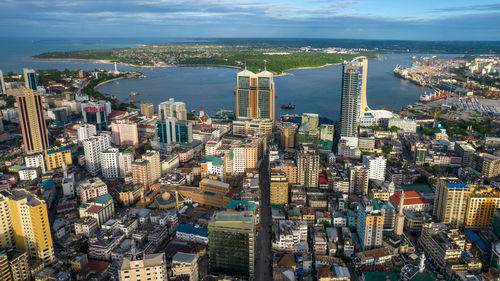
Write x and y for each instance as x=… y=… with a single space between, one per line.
x=263 y=268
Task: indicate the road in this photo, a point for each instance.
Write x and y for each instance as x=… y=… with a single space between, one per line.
x=263 y=268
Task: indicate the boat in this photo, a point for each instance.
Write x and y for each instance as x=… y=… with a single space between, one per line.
x=132 y=94
x=401 y=73
x=287 y=106
x=134 y=101
x=437 y=95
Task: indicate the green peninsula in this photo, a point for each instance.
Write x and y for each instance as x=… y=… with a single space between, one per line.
x=278 y=58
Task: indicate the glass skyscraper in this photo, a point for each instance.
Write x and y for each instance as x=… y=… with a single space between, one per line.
x=349 y=112
x=255 y=95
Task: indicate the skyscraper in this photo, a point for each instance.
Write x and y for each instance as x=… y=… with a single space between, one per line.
x=96 y=112
x=450 y=203
x=376 y=166
x=32 y=119
x=109 y=163
x=172 y=108
x=26 y=223
x=153 y=157
x=358 y=180
x=350 y=103
x=231 y=237
x=92 y=148
x=370 y=223
x=3 y=90
x=29 y=79
x=255 y=95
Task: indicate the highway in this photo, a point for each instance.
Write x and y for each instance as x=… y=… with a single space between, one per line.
x=263 y=251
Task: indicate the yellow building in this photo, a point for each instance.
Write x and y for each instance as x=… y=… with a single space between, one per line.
x=481 y=208
x=289 y=168
x=29 y=223
x=56 y=156
x=141 y=173
x=279 y=188
x=4 y=268
x=246 y=126
x=32 y=121
x=251 y=158
x=150 y=267
x=287 y=135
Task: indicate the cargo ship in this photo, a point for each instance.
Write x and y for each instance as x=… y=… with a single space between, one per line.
x=401 y=73
x=437 y=95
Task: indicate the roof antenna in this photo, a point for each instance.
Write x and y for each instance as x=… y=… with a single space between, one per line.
x=265 y=65
x=245 y=65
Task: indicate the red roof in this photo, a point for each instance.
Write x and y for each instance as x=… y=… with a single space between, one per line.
x=322 y=179
x=94 y=209
x=411 y=198
x=116 y=113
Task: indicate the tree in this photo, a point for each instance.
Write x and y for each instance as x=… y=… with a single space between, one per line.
x=387 y=149
x=422 y=179
x=394 y=129
x=57 y=143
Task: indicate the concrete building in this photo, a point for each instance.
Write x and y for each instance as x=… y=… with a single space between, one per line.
x=96 y=112
x=370 y=223
x=109 y=163
x=255 y=95
x=232 y=243
x=400 y=218
x=32 y=121
x=172 y=108
x=450 y=203
x=86 y=226
x=86 y=131
x=466 y=151
x=147 y=109
x=35 y=161
x=290 y=236
x=153 y=157
x=287 y=134
x=165 y=130
x=56 y=157
x=413 y=201
x=376 y=166
x=150 y=267
x=481 y=206
x=92 y=188
x=213 y=168
x=407 y=125
x=125 y=159
x=246 y=126
x=184 y=131
x=441 y=244
x=358 y=180
x=124 y=133
x=25 y=224
x=487 y=164
x=101 y=208
x=141 y=173
x=307 y=167
x=279 y=188
x=30 y=81
x=350 y=98
x=68 y=184
x=288 y=167
x=3 y=89
x=92 y=148
x=185 y=266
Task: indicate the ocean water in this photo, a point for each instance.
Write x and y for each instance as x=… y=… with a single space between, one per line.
x=314 y=90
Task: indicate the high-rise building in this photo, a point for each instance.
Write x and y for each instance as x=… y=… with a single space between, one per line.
x=166 y=130
x=32 y=121
x=370 y=223
x=125 y=159
x=18 y=264
x=96 y=112
x=308 y=167
x=153 y=157
x=288 y=132
x=109 y=163
x=349 y=111
x=231 y=238
x=247 y=126
x=92 y=148
x=25 y=224
x=86 y=131
x=255 y=95
x=172 y=108
x=141 y=173
x=279 y=188
x=3 y=90
x=151 y=267
x=147 y=109
x=481 y=207
x=184 y=131
x=487 y=164
x=125 y=133
x=450 y=203
x=30 y=79
x=288 y=167
x=442 y=244
x=466 y=151
x=376 y=166
x=399 y=222
x=358 y=180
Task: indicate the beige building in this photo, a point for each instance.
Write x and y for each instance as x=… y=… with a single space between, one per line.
x=450 y=203
x=125 y=133
x=279 y=188
x=289 y=168
x=185 y=266
x=151 y=267
x=147 y=109
x=141 y=173
x=246 y=126
x=358 y=180
x=287 y=135
x=481 y=207
x=487 y=164
x=55 y=157
x=441 y=244
x=153 y=157
x=308 y=167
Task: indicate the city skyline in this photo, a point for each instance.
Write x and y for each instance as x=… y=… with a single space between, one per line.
x=455 y=20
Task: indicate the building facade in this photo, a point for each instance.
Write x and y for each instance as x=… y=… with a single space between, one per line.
x=32 y=121
x=255 y=95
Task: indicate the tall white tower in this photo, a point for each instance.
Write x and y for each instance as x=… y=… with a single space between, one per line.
x=116 y=72
x=421 y=266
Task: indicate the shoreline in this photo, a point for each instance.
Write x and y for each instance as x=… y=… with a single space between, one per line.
x=101 y=61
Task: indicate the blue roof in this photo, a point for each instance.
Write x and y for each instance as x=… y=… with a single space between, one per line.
x=475 y=239
x=142 y=213
x=47 y=184
x=238 y=203
x=455 y=185
x=186 y=228
x=103 y=199
x=465 y=255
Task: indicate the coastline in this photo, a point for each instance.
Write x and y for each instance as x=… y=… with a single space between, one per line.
x=101 y=61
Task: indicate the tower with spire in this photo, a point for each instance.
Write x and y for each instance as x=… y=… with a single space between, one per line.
x=400 y=218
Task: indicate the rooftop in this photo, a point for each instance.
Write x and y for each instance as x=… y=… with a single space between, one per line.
x=183 y=257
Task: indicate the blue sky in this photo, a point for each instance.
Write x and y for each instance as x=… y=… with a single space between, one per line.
x=362 y=19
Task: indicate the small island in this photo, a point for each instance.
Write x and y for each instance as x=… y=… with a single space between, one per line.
x=276 y=57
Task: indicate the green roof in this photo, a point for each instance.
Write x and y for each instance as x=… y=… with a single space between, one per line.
x=295 y=211
x=238 y=203
x=375 y=204
x=215 y=160
x=424 y=276
x=420 y=187
x=103 y=199
x=381 y=275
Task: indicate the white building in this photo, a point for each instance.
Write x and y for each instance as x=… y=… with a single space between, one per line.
x=93 y=147
x=109 y=163
x=35 y=161
x=151 y=267
x=68 y=184
x=86 y=131
x=28 y=174
x=407 y=125
x=125 y=159
x=86 y=226
x=289 y=235
x=211 y=147
x=376 y=166
x=91 y=188
x=172 y=108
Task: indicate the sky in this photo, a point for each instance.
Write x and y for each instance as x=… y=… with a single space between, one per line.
x=361 y=19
